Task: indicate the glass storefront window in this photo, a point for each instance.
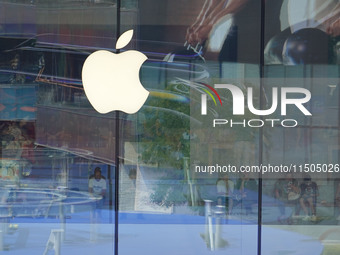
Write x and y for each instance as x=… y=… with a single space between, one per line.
x=57 y=167
x=236 y=149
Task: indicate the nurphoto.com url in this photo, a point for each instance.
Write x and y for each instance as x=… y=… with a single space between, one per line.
x=269 y=168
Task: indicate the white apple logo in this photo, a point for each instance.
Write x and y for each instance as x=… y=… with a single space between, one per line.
x=111 y=81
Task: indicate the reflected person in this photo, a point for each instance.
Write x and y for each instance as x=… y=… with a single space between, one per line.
x=225 y=188
x=309 y=193
x=287 y=193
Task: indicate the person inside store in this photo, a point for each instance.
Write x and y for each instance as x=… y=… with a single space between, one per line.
x=225 y=188
x=16 y=78
x=97 y=183
x=287 y=193
x=309 y=194
x=97 y=187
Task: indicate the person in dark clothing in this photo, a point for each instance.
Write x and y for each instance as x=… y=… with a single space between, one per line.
x=309 y=193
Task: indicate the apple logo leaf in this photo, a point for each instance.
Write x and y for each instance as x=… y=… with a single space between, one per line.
x=124 y=39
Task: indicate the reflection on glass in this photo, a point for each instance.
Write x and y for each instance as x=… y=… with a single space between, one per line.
x=311 y=34
x=58 y=154
x=160 y=189
x=49 y=202
x=303 y=202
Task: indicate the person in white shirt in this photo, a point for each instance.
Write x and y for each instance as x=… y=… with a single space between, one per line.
x=97 y=187
x=225 y=188
x=97 y=183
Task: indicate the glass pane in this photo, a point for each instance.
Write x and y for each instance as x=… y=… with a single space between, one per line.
x=163 y=194
x=57 y=153
x=241 y=121
x=301 y=206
